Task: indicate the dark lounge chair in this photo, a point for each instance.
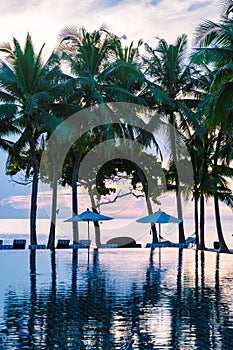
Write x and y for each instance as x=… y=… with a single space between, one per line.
x=63 y=244
x=19 y=243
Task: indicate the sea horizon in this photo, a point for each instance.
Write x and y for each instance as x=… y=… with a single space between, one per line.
x=20 y=228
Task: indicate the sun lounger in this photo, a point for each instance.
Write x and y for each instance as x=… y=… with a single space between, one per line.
x=78 y=246
x=154 y=245
x=63 y=244
x=19 y=243
x=108 y=245
x=6 y=246
x=85 y=241
x=37 y=246
x=167 y=244
x=180 y=245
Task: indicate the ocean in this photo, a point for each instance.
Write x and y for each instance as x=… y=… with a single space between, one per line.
x=19 y=228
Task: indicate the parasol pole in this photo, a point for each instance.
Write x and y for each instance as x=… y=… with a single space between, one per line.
x=159 y=246
x=88 y=231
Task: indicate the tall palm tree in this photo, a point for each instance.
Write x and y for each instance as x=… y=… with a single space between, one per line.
x=126 y=71
x=86 y=54
x=215 y=41
x=99 y=65
x=169 y=71
x=28 y=90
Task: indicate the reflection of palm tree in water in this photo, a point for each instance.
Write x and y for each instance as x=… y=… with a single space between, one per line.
x=151 y=288
x=52 y=310
x=203 y=274
x=74 y=274
x=177 y=306
x=196 y=276
x=53 y=275
x=217 y=289
x=85 y=315
x=202 y=307
x=33 y=293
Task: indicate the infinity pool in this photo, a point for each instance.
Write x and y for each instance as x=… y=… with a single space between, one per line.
x=116 y=299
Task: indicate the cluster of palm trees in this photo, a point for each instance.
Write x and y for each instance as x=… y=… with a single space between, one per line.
x=193 y=92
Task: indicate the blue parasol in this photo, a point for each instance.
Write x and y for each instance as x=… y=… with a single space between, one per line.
x=88 y=216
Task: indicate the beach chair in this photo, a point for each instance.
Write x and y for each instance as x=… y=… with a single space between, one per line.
x=63 y=244
x=191 y=241
x=154 y=245
x=6 y=246
x=19 y=243
x=37 y=246
x=87 y=242
x=108 y=245
x=78 y=246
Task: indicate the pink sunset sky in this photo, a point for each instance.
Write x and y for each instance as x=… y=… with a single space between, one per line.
x=128 y=207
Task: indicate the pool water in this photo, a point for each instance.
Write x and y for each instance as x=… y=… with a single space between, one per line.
x=116 y=299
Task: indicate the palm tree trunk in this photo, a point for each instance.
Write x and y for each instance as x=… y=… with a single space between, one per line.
x=180 y=216
x=222 y=243
x=33 y=238
x=145 y=189
x=202 y=222
x=96 y=225
x=178 y=192
x=75 y=197
x=33 y=211
x=148 y=202
x=196 y=217
x=51 y=240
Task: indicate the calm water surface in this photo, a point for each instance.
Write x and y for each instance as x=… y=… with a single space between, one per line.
x=116 y=299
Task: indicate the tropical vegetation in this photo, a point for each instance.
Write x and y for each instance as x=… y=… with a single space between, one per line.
x=189 y=94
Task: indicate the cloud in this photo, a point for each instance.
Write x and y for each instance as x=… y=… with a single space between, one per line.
x=154 y=2
x=137 y=19
x=110 y=3
x=15 y=6
x=18 y=202
x=197 y=5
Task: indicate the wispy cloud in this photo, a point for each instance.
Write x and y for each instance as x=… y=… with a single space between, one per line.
x=154 y=2
x=198 y=5
x=19 y=202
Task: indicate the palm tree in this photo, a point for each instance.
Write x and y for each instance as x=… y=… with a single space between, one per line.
x=98 y=63
x=167 y=68
x=126 y=73
x=7 y=128
x=86 y=54
x=215 y=41
x=28 y=90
